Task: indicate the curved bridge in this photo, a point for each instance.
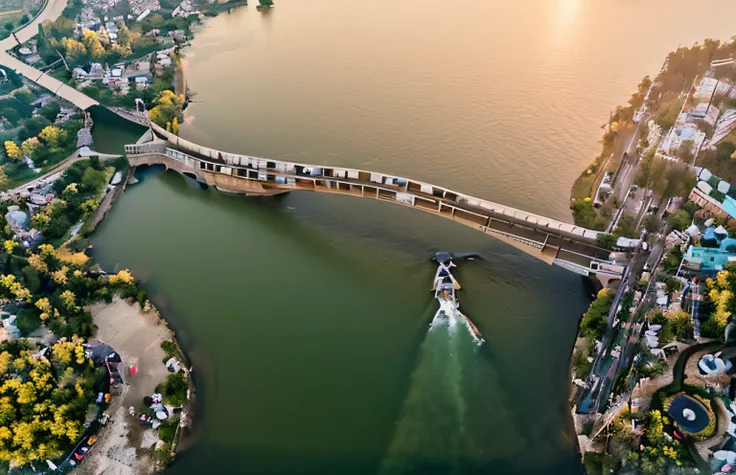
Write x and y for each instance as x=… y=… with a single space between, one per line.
x=552 y=241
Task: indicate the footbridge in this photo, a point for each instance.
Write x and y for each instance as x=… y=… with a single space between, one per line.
x=555 y=242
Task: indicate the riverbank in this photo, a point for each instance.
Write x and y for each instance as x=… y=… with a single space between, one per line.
x=126 y=447
x=141 y=336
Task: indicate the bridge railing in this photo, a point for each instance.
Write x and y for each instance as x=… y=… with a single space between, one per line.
x=236 y=160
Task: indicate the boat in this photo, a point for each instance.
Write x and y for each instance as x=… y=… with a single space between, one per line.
x=445 y=288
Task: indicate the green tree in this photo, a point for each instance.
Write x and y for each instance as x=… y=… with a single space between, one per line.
x=595 y=320
x=50 y=110
x=626 y=227
x=679 y=221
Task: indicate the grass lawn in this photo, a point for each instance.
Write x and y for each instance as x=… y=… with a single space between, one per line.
x=23 y=175
x=12 y=17
x=61 y=74
x=582 y=188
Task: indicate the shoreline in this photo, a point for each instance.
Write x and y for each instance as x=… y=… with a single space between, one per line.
x=186 y=426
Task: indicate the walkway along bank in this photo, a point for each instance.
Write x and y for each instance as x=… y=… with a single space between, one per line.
x=555 y=242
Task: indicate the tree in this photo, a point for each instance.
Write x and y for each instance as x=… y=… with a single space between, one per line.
x=605 y=241
x=126 y=37
x=4 y=181
x=50 y=110
x=680 y=221
x=168 y=106
x=595 y=320
x=93 y=179
x=12 y=151
x=30 y=146
x=43 y=400
x=685 y=151
x=74 y=51
x=51 y=135
x=93 y=45
x=626 y=227
x=32 y=127
x=9 y=26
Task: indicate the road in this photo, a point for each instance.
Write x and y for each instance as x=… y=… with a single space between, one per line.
x=52 y=10
x=53 y=174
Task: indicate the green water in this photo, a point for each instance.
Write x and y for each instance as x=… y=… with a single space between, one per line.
x=309 y=334
x=307 y=316
x=111 y=132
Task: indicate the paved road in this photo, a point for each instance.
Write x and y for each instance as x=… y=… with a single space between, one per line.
x=59 y=168
x=53 y=174
x=51 y=11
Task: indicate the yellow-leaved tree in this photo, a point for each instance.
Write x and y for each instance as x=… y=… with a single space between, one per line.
x=122 y=277
x=43 y=400
x=74 y=51
x=29 y=146
x=93 y=45
x=51 y=135
x=168 y=106
x=12 y=150
x=4 y=181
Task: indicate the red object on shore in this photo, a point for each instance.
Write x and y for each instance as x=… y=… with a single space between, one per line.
x=133 y=370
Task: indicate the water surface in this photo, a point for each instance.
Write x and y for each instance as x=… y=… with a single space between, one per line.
x=307 y=316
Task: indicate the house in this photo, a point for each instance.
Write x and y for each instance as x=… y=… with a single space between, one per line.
x=141 y=82
x=96 y=72
x=710 y=260
x=705 y=89
x=178 y=35
x=706 y=112
x=164 y=61
x=678 y=136
x=114 y=76
x=17 y=219
x=143 y=15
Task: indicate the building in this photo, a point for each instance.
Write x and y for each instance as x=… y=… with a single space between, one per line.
x=710 y=260
x=680 y=135
x=714 y=195
x=705 y=89
x=704 y=111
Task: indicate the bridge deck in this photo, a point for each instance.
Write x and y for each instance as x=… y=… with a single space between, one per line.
x=552 y=239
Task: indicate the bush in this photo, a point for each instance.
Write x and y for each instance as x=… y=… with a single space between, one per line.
x=29 y=320
x=169 y=348
x=175 y=389
x=600 y=464
x=595 y=320
x=680 y=221
x=167 y=430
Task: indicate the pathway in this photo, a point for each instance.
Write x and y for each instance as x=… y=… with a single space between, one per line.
x=52 y=10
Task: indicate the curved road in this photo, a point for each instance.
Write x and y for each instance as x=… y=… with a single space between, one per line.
x=52 y=10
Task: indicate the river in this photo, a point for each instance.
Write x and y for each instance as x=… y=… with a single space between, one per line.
x=307 y=316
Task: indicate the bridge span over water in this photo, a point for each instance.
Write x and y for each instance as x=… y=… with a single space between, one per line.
x=555 y=242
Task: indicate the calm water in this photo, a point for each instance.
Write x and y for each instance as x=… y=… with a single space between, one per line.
x=307 y=316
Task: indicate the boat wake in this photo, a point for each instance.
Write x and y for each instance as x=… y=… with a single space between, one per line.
x=430 y=433
x=445 y=289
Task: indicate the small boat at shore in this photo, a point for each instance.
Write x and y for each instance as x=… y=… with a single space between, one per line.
x=445 y=288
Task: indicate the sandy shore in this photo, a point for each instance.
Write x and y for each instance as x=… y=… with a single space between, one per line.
x=125 y=447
